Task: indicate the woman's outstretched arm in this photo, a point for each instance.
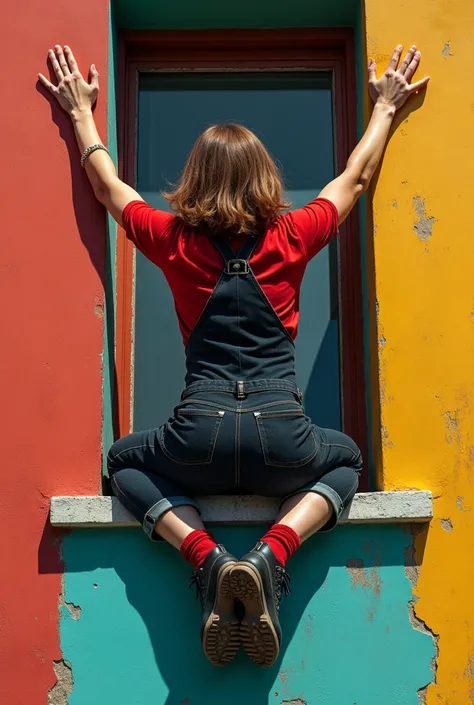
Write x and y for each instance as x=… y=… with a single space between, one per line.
x=389 y=93
x=77 y=97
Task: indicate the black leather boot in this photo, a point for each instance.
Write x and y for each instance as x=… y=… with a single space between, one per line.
x=258 y=581
x=220 y=627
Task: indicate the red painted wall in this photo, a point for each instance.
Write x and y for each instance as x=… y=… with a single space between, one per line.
x=51 y=270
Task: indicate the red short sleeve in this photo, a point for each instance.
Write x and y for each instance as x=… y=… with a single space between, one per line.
x=147 y=228
x=315 y=224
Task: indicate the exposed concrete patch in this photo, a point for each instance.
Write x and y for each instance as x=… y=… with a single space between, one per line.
x=447 y=49
x=422 y=694
x=62 y=689
x=394 y=204
x=382 y=341
x=452 y=426
x=469 y=672
x=386 y=441
x=74 y=610
x=412 y=571
x=460 y=504
x=99 y=307
x=361 y=576
x=447 y=525
x=298 y=701
x=424 y=226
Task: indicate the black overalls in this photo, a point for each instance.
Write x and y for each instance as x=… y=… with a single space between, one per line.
x=240 y=426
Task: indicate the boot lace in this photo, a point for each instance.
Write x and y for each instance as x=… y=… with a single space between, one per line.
x=282 y=583
x=197 y=579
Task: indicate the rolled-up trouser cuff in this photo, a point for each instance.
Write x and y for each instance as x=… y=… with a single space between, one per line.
x=331 y=495
x=157 y=510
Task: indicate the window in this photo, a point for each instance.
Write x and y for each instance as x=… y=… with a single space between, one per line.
x=295 y=89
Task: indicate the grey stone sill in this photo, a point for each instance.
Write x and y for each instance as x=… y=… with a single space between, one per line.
x=367 y=508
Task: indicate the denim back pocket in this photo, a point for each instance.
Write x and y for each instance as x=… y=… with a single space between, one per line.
x=287 y=437
x=191 y=435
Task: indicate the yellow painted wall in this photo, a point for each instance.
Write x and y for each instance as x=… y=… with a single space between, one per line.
x=424 y=278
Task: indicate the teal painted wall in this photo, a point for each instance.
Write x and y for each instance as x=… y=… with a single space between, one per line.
x=348 y=639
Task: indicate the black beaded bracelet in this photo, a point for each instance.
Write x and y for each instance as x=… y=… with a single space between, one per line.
x=88 y=151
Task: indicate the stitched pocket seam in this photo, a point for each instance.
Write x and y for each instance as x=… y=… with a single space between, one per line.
x=212 y=444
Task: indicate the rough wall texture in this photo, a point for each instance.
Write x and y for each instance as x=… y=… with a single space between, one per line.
x=349 y=636
x=51 y=266
x=424 y=254
x=51 y=271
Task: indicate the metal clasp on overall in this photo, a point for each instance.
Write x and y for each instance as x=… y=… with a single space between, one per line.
x=241 y=393
x=237 y=266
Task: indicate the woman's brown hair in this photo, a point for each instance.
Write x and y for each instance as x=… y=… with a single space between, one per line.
x=229 y=183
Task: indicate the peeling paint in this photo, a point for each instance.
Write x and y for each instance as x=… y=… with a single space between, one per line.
x=469 y=672
x=422 y=694
x=452 y=426
x=382 y=341
x=460 y=504
x=394 y=204
x=424 y=226
x=298 y=701
x=386 y=441
x=447 y=49
x=412 y=571
x=421 y=626
x=362 y=576
x=62 y=689
x=99 y=307
x=74 y=610
x=447 y=525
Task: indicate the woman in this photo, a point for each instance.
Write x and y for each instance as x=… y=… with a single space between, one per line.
x=234 y=264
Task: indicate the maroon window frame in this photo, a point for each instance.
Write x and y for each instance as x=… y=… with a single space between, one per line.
x=324 y=49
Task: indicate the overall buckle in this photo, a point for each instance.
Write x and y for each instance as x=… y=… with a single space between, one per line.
x=237 y=266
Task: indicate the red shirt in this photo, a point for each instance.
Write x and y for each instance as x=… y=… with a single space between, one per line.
x=192 y=265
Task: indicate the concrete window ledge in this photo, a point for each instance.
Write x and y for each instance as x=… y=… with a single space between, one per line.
x=367 y=508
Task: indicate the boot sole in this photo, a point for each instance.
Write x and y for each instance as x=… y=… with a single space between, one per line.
x=257 y=632
x=221 y=634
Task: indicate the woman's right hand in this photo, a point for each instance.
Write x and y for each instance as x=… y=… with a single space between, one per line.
x=394 y=87
x=73 y=93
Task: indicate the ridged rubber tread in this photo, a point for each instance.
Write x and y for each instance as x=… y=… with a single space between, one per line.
x=257 y=633
x=221 y=635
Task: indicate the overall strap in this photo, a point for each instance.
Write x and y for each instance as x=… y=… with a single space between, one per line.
x=224 y=248
x=228 y=254
x=249 y=246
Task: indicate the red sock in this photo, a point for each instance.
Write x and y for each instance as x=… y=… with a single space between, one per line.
x=196 y=546
x=283 y=541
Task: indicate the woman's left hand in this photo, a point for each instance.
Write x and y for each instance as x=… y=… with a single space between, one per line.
x=73 y=92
